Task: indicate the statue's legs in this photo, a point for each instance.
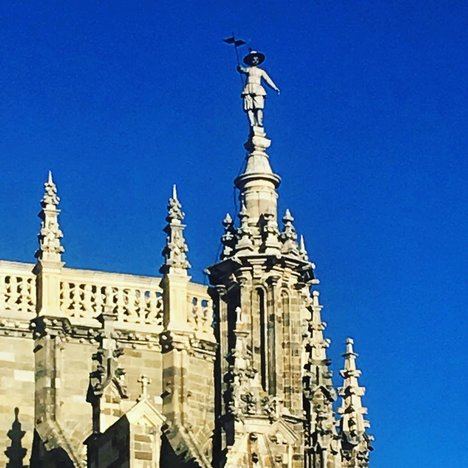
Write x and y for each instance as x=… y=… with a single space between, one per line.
x=251 y=116
x=260 y=117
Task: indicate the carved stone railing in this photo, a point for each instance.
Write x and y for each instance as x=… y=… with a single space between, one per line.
x=85 y=294
x=17 y=289
x=136 y=300
x=200 y=313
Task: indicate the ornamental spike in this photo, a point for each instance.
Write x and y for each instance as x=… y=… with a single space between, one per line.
x=353 y=426
x=175 y=251
x=50 y=235
x=289 y=235
x=319 y=392
x=227 y=220
x=244 y=233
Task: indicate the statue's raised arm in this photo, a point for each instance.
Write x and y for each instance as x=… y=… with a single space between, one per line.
x=254 y=93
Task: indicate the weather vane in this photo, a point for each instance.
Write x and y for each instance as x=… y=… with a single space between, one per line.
x=253 y=93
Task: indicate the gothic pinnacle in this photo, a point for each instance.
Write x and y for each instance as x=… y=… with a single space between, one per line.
x=318 y=390
x=244 y=231
x=353 y=425
x=317 y=345
x=50 y=248
x=175 y=251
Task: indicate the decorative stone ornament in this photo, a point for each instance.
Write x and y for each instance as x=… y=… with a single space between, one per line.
x=50 y=235
x=175 y=252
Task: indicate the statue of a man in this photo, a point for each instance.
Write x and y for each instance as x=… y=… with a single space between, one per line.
x=254 y=93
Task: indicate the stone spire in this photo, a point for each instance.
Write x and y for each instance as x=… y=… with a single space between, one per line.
x=50 y=248
x=356 y=443
x=175 y=251
x=319 y=393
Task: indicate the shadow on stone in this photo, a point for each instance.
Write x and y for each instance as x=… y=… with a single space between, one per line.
x=170 y=458
x=43 y=458
x=15 y=453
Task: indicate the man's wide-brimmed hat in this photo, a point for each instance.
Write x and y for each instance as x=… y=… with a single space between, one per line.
x=248 y=59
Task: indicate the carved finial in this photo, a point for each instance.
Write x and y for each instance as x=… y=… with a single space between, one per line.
x=353 y=425
x=270 y=233
x=289 y=236
x=315 y=298
x=144 y=381
x=349 y=347
x=50 y=194
x=174 y=208
x=50 y=247
x=244 y=232
x=175 y=251
x=227 y=221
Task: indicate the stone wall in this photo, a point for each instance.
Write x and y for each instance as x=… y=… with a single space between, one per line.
x=45 y=359
x=16 y=399
x=17 y=308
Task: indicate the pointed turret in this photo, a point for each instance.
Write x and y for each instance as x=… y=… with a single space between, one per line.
x=356 y=443
x=50 y=248
x=175 y=251
x=319 y=392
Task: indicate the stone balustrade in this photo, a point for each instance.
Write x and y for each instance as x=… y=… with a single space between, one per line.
x=200 y=316
x=84 y=294
x=136 y=300
x=17 y=290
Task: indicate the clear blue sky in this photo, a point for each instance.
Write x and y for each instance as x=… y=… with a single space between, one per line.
x=122 y=99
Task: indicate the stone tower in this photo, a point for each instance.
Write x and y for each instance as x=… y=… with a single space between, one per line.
x=274 y=391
